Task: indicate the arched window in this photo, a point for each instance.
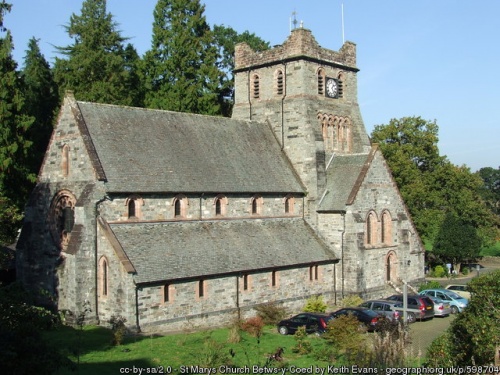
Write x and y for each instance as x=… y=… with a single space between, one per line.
x=62 y=217
x=133 y=204
x=255 y=86
x=131 y=208
x=321 y=81
x=104 y=276
x=340 y=82
x=220 y=204
x=386 y=228
x=289 y=204
x=180 y=204
x=280 y=82
x=256 y=205
x=65 y=161
x=371 y=229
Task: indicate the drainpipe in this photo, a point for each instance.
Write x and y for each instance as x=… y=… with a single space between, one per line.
x=138 y=326
x=238 y=309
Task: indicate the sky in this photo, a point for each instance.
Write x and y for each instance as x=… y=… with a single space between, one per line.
x=439 y=60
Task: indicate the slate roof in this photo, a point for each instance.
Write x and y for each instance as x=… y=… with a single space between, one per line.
x=145 y=150
x=182 y=250
x=342 y=177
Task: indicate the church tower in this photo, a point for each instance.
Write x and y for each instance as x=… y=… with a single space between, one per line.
x=308 y=95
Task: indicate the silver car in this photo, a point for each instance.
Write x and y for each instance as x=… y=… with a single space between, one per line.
x=441 y=308
x=383 y=307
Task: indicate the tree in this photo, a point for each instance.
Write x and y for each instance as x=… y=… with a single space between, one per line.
x=179 y=70
x=456 y=241
x=15 y=179
x=429 y=183
x=96 y=68
x=41 y=101
x=490 y=191
x=474 y=335
x=226 y=39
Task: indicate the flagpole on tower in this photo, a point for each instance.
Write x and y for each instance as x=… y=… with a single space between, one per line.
x=343 y=35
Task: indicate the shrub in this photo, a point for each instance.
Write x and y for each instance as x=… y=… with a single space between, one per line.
x=303 y=345
x=439 y=271
x=271 y=313
x=315 y=304
x=213 y=354
x=433 y=284
x=390 y=345
x=350 y=301
x=346 y=338
x=439 y=353
x=118 y=328
x=465 y=271
x=253 y=326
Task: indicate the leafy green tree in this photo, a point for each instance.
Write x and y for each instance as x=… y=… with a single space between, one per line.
x=456 y=241
x=23 y=350
x=179 y=70
x=428 y=182
x=16 y=180
x=41 y=101
x=96 y=68
x=226 y=39
x=490 y=191
x=474 y=335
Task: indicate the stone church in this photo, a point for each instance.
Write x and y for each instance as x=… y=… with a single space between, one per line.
x=176 y=220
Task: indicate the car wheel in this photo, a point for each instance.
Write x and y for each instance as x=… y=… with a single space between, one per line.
x=283 y=330
x=412 y=317
x=454 y=310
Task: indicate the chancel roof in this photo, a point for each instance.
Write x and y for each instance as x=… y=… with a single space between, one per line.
x=183 y=250
x=343 y=177
x=145 y=150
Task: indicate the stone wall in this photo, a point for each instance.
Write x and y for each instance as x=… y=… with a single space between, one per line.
x=160 y=207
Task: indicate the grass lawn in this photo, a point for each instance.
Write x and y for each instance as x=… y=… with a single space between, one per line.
x=169 y=353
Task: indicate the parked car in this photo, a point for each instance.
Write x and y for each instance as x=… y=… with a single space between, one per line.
x=457 y=303
x=367 y=317
x=441 y=308
x=314 y=323
x=461 y=290
x=384 y=308
x=418 y=307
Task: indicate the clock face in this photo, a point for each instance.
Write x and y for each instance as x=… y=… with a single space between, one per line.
x=331 y=88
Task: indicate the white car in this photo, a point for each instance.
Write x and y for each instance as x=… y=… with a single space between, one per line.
x=459 y=289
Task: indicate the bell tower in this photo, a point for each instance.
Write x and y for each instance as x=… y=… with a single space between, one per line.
x=308 y=95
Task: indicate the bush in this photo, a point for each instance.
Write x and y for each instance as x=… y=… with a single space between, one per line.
x=433 y=284
x=439 y=271
x=465 y=271
x=253 y=326
x=346 y=338
x=315 y=304
x=352 y=300
x=271 y=313
x=118 y=328
x=303 y=345
x=439 y=353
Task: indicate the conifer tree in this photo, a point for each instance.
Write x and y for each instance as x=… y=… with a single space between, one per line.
x=15 y=180
x=95 y=69
x=41 y=101
x=180 y=69
x=226 y=39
